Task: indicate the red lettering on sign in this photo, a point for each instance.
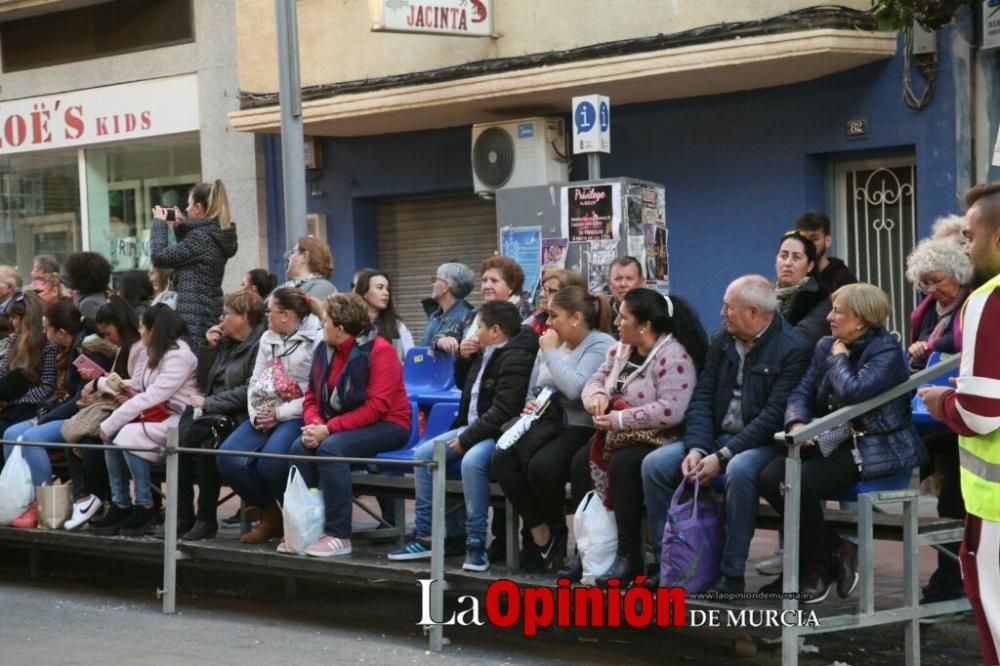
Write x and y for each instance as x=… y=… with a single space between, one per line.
x=15 y=130
x=73 y=117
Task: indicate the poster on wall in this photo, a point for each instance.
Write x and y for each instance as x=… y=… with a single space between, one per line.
x=524 y=245
x=591 y=212
x=657 y=268
x=553 y=254
x=602 y=255
x=637 y=249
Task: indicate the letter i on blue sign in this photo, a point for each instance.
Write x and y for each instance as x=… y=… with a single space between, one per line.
x=585 y=117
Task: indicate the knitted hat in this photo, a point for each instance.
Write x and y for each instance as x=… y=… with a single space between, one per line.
x=459 y=277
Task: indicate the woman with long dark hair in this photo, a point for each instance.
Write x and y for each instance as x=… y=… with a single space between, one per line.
x=638 y=399
x=374 y=287
x=801 y=298
x=152 y=401
x=28 y=378
x=260 y=282
x=206 y=239
x=137 y=289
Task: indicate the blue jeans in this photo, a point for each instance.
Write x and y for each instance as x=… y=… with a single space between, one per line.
x=37 y=458
x=258 y=481
x=661 y=473
x=475 y=485
x=334 y=479
x=121 y=464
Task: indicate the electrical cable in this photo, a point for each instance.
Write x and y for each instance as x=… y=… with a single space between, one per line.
x=927 y=65
x=809 y=18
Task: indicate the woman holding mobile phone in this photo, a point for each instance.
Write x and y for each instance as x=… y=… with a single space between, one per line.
x=64 y=328
x=206 y=239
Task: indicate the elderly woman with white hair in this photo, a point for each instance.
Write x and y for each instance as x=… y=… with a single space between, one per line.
x=939 y=269
x=450 y=285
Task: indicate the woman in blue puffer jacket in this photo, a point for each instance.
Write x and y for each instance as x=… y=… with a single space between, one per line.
x=858 y=362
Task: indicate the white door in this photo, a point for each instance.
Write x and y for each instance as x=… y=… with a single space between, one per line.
x=876 y=228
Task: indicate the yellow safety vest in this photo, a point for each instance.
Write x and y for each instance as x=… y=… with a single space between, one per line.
x=980 y=456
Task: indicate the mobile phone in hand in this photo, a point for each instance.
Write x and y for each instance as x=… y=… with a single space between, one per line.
x=171 y=215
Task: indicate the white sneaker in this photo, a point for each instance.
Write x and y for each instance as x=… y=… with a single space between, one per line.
x=83 y=511
x=772 y=565
x=329 y=546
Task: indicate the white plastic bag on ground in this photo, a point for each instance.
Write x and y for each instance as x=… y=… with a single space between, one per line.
x=596 y=536
x=303 y=513
x=17 y=491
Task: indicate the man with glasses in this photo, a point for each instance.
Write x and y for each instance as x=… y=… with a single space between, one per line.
x=8 y=286
x=450 y=285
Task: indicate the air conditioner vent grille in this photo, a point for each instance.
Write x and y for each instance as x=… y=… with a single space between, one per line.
x=493 y=157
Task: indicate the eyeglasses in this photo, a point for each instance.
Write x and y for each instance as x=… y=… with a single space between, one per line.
x=548 y=291
x=927 y=285
x=294 y=250
x=230 y=313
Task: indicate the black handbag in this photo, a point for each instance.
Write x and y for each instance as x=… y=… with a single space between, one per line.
x=206 y=432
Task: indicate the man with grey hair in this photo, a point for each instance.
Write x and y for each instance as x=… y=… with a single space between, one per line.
x=450 y=285
x=753 y=363
x=9 y=280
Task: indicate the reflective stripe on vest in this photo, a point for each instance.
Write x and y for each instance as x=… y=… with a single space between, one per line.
x=980 y=456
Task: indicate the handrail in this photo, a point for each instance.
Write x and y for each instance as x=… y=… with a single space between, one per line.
x=845 y=414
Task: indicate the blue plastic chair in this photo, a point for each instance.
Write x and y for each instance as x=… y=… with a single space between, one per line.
x=431 y=398
x=899 y=481
x=439 y=421
x=424 y=372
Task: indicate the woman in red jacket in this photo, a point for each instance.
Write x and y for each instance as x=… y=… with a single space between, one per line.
x=355 y=406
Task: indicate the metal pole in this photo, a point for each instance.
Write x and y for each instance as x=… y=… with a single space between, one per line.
x=169 y=591
x=911 y=633
x=292 y=146
x=438 y=528
x=593 y=166
x=792 y=490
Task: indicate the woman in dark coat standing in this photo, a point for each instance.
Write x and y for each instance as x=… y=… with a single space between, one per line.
x=206 y=239
x=860 y=361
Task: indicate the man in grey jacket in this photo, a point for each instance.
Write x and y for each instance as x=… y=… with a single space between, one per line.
x=752 y=365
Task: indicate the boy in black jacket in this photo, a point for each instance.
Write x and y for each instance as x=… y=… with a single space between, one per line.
x=494 y=391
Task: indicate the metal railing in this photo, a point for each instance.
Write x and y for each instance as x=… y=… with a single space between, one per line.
x=168 y=593
x=911 y=612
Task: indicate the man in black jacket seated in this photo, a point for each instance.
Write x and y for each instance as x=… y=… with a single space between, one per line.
x=753 y=364
x=495 y=384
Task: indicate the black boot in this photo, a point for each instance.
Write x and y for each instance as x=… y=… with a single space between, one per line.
x=202 y=529
x=112 y=520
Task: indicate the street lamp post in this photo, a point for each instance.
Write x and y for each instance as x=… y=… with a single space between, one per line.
x=292 y=147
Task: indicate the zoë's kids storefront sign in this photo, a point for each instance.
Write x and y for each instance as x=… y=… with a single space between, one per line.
x=100 y=115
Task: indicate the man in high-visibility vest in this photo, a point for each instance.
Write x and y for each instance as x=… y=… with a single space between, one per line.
x=972 y=410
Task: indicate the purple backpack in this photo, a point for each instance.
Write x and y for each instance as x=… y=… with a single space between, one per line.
x=692 y=541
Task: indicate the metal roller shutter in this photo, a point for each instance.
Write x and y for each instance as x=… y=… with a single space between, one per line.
x=418 y=234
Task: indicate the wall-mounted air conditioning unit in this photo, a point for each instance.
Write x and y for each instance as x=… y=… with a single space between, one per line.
x=519 y=153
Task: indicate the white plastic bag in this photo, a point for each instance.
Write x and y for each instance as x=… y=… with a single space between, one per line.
x=596 y=536
x=302 y=512
x=17 y=491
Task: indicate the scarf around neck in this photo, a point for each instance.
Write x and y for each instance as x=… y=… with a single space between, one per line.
x=352 y=385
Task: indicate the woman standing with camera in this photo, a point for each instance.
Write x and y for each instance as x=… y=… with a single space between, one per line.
x=206 y=239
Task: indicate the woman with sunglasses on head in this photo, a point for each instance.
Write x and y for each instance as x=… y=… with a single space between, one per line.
x=28 y=378
x=152 y=401
x=309 y=267
x=801 y=299
x=552 y=282
x=206 y=239
x=274 y=403
x=63 y=327
x=374 y=288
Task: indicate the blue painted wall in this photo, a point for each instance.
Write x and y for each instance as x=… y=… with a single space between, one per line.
x=738 y=168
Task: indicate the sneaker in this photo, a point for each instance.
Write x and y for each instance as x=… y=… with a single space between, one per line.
x=846 y=567
x=815 y=585
x=140 y=520
x=727 y=586
x=417 y=549
x=83 y=511
x=329 y=546
x=477 y=558
x=27 y=520
x=111 y=521
x=202 y=529
x=284 y=548
x=232 y=522
x=772 y=565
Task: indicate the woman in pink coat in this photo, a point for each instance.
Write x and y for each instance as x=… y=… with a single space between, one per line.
x=151 y=402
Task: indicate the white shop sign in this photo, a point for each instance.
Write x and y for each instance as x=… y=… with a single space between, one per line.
x=466 y=18
x=100 y=115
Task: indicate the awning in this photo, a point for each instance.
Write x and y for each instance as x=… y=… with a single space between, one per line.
x=703 y=69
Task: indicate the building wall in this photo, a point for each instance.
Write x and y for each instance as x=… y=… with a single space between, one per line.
x=737 y=168
x=226 y=154
x=336 y=43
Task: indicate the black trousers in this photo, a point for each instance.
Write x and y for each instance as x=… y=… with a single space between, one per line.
x=821 y=477
x=204 y=471
x=89 y=472
x=625 y=477
x=943 y=448
x=538 y=489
